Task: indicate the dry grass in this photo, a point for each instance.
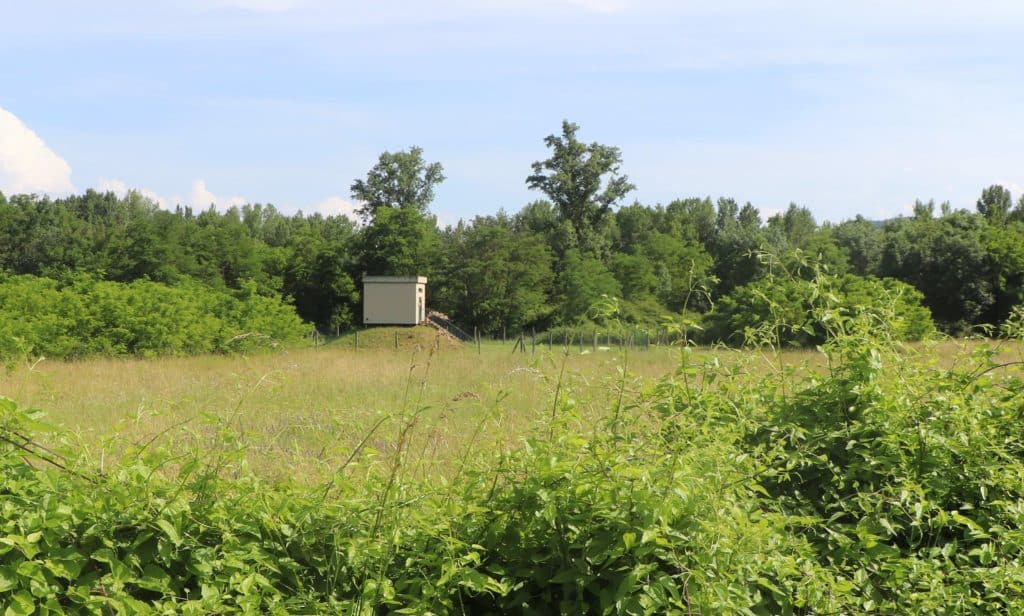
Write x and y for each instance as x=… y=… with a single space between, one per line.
x=300 y=413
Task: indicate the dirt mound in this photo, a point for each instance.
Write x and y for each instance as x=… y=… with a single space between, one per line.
x=419 y=337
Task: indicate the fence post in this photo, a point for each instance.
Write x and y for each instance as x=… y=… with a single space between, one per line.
x=357 y=339
x=396 y=339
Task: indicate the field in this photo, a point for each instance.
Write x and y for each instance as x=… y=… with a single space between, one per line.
x=297 y=412
x=430 y=478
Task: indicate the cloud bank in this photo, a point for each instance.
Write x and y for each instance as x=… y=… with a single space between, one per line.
x=27 y=164
x=203 y=198
x=337 y=206
x=121 y=189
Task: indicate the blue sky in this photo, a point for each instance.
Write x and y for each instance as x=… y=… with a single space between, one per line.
x=846 y=108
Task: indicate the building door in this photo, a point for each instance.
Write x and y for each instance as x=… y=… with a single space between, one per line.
x=419 y=309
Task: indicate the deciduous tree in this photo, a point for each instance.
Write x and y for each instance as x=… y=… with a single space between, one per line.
x=582 y=181
x=398 y=180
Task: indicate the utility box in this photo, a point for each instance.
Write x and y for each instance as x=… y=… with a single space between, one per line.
x=394 y=300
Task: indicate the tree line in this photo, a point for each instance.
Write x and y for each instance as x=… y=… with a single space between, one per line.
x=541 y=267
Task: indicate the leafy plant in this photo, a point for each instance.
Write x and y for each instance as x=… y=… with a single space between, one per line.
x=877 y=484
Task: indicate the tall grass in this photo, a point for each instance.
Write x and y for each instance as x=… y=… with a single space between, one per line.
x=868 y=478
x=293 y=409
x=297 y=409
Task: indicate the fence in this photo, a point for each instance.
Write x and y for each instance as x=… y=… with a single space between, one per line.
x=528 y=341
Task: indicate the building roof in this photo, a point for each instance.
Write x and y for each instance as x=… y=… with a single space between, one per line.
x=396 y=279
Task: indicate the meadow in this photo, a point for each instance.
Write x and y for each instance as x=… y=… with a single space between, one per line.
x=863 y=477
x=296 y=412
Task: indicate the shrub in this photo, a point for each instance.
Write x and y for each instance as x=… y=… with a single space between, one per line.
x=788 y=311
x=83 y=316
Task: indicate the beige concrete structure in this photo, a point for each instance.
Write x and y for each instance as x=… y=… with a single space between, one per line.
x=394 y=300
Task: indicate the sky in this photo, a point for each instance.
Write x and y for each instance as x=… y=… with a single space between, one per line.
x=845 y=108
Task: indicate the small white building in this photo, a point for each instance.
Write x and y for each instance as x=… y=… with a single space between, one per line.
x=394 y=300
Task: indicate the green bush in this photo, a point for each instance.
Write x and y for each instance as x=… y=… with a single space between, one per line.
x=83 y=316
x=789 y=311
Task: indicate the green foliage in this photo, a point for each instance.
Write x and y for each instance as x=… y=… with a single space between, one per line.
x=498 y=276
x=786 y=310
x=738 y=238
x=891 y=302
x=1005 y=247
x=317 y=272
x=80 y=316
x=880 y=485
x=946 y=259
x=582 y=181
x=792 y=229
x=995 y=204
x=680 y=267
x=521 y=271
x=401 y=180
x=400 y=238
x=904 y=479
x=399 y=242
x=635 y=275
x=583 y=281
x=861 y=240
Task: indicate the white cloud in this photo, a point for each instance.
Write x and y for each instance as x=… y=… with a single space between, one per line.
x=27 y=165
x=334 y=206
x=117 y=187
x=121 y=189
x=202 y=198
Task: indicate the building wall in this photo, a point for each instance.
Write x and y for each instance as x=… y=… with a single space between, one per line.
x=394 y=300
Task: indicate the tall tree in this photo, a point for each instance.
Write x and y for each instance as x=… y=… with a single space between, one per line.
x=633 y=225
x=791 y=229
x=680 y=265
x=995 y=203
x=399 y=242
x=582 y=283
x=398 y=180
x=738 y=237
x=582 y=181
x=692 y=219
x=317 y=270
x=401 y=236
x=1018 y=212
x=501 y=277
x=947 y=260
x=862 y=241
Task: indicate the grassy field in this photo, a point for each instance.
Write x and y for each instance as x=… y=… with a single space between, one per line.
x=337 y=480
x=297 y=414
